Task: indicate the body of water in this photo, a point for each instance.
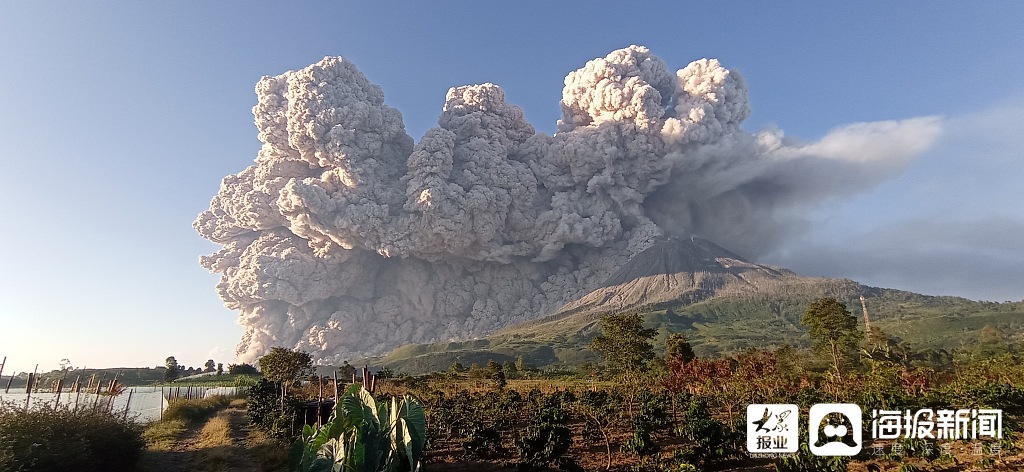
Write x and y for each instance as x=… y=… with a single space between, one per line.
x=146 y=403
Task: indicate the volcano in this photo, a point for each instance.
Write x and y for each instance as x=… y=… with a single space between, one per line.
x=723 y=303
x=678 y=270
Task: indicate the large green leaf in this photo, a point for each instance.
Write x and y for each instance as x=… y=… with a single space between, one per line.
x=416 y=422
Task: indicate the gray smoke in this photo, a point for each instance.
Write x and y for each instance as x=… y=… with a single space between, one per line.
x=347 y=238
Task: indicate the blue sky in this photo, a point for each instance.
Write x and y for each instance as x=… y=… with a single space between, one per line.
x=117 y=122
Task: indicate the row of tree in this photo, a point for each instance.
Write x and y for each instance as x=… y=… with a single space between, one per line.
x=175 y=370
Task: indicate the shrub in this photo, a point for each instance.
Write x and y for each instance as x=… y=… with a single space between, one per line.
x=245 y=381
x=362 y=435
x=712 y=439
x=56 y=439
x=263 y=408
x=547 y=438
x=194 y=410
x=243 y=369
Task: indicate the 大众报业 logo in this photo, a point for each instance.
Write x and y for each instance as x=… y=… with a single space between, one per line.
x=772 y=428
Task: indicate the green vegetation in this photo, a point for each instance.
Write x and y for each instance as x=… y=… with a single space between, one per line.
x=729 y=324
x=686 y=411
x=171 y=364
x=624 y=343
x=833 y=331
x=161 y=435
x=194 y=410
x=683 y=411
x=362 y=435
x=208 y=442
x=242 y=369
x=56 y=439
x=676 y=346
x=285 y=365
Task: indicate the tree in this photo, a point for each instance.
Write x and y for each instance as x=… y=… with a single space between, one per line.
x=510 y=371
x=677 y=347
x=172 y=368
x=624 y=343
x=520 y=364
x=833 y=330
x=285 y=365
x=210 y=366
x=346 y=371
x=992 y=342
x=496 y=373
x=601 y=410
x=242 y=369
x=220 y=368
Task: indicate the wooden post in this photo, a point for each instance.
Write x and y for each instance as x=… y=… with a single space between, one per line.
x=8 y=389
x=78 y=390
x=60 y=388
x=2 y=364
x=128 y=403
x=335 y=388
x=96 y=400
x=28 y=390
x=161 y=403
x=35 y=374
x=320 y=399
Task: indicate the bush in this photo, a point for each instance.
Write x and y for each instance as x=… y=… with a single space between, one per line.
x=547 y=438
x=362 y=435
x=243 y=369
x=194 y=410
x=246 y=381
x=56 y=439
x=264 y=410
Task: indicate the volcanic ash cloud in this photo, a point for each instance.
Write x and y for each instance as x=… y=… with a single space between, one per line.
x=347 y=238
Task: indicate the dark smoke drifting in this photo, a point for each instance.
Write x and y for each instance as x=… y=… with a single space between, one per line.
x=347 y=238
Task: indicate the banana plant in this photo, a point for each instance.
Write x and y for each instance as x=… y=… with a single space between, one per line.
x=362 y=436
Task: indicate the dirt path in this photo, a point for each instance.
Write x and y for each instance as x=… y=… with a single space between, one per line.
x=177 y=459
x=208 y=447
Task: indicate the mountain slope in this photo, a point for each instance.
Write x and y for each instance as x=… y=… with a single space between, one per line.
x=722 y=303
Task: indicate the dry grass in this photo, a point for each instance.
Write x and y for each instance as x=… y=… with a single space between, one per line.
x=216 y=432
x=215 y=448
x=223 y=443
x=194 y=410
x=162 y=435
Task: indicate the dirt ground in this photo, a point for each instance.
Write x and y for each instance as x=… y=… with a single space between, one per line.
x=245 y=450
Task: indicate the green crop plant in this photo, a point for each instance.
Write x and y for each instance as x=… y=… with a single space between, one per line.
x=364 y=436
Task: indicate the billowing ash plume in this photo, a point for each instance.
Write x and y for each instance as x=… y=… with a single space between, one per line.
x=347 y=238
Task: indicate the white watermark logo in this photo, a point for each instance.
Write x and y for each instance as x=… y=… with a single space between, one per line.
x=834 y=429
x=937 y=424
x=772 y=429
